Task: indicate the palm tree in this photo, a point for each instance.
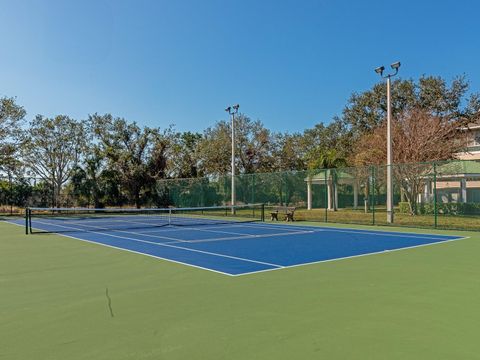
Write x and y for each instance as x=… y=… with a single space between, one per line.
x=328 y=159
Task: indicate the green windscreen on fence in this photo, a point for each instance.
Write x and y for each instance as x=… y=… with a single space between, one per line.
x=443 y=195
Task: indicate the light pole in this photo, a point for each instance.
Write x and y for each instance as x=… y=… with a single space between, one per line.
x=233 y=110
x=380 y=71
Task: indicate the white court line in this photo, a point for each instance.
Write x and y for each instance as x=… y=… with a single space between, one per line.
x=193 y=228
x=97 y=220
x=167 y=245
x=206 y=228
x=116 y=230
x=242 y=235
x=135 y=252
x=320 y=229
x=354 y=231
x=277 y=267
x=146 y=220
x=176 y=240
x=256 y=224
x=247 y=236
x=289 y=231
x=160 y=226
x=353 y=256
x=211 y=227
x=360 y=231
x=399 y=234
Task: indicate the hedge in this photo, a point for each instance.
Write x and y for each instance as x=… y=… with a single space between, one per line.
x=443 y=208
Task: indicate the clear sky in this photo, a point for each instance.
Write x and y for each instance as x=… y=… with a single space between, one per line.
x=288 y=63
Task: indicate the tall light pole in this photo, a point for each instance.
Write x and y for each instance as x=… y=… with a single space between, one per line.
x=380 y=71
x=233 y=110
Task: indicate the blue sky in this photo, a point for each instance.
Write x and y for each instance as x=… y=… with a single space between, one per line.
x=291 y=64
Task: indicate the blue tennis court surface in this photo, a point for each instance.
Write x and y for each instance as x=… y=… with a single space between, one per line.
x=241 y=248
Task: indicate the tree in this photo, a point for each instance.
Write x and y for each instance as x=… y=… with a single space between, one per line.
x=14 y=191
x=11 y=118
x=159 y=163
x=328 y=159
x=419 y=136
x=288 y=152
x=53 y=147
x=86 y=182
x=183 y=160
x=213 y=149
x=254 y=143
x=253 y=147
x=366 y=111
x=138 y=156
x=327 y=146
x=428 y=113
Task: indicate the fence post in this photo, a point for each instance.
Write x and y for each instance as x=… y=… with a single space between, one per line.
x=10 y=192
x=253 y=188
x=373 y=194
x=326 y=194
x=435 y=194
x=225 y=188
x=26 y=221
x=334 y=195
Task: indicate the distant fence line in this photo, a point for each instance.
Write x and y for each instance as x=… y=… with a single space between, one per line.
x=443 y=195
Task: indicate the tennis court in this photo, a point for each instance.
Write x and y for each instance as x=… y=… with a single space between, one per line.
x=213 y=239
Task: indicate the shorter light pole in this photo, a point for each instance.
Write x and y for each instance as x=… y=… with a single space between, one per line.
x=395 y=66
x=233 y=110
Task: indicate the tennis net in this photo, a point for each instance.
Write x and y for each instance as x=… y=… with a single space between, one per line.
x=58 y=220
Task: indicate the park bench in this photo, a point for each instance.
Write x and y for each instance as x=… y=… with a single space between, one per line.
x=287 y=211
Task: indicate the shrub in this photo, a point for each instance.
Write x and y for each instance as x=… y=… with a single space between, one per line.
x=403 y=207
x=442 y=208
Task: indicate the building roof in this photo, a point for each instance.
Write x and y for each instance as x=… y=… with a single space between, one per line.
x=341 y=175
x=459 y=167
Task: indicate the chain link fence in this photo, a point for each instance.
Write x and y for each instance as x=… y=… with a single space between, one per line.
x=444 y=195
x=16 y=193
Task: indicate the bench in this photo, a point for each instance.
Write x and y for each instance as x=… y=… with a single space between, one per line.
x=287 y=211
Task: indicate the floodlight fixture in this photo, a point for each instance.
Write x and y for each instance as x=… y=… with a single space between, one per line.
x=395 y=65
x=379 y=70
x=232 y=109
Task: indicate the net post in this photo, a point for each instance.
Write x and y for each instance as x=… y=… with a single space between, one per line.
x=169 y=216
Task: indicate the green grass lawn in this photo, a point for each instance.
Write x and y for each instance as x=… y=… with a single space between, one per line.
x=350 y=216
x=420 y=303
